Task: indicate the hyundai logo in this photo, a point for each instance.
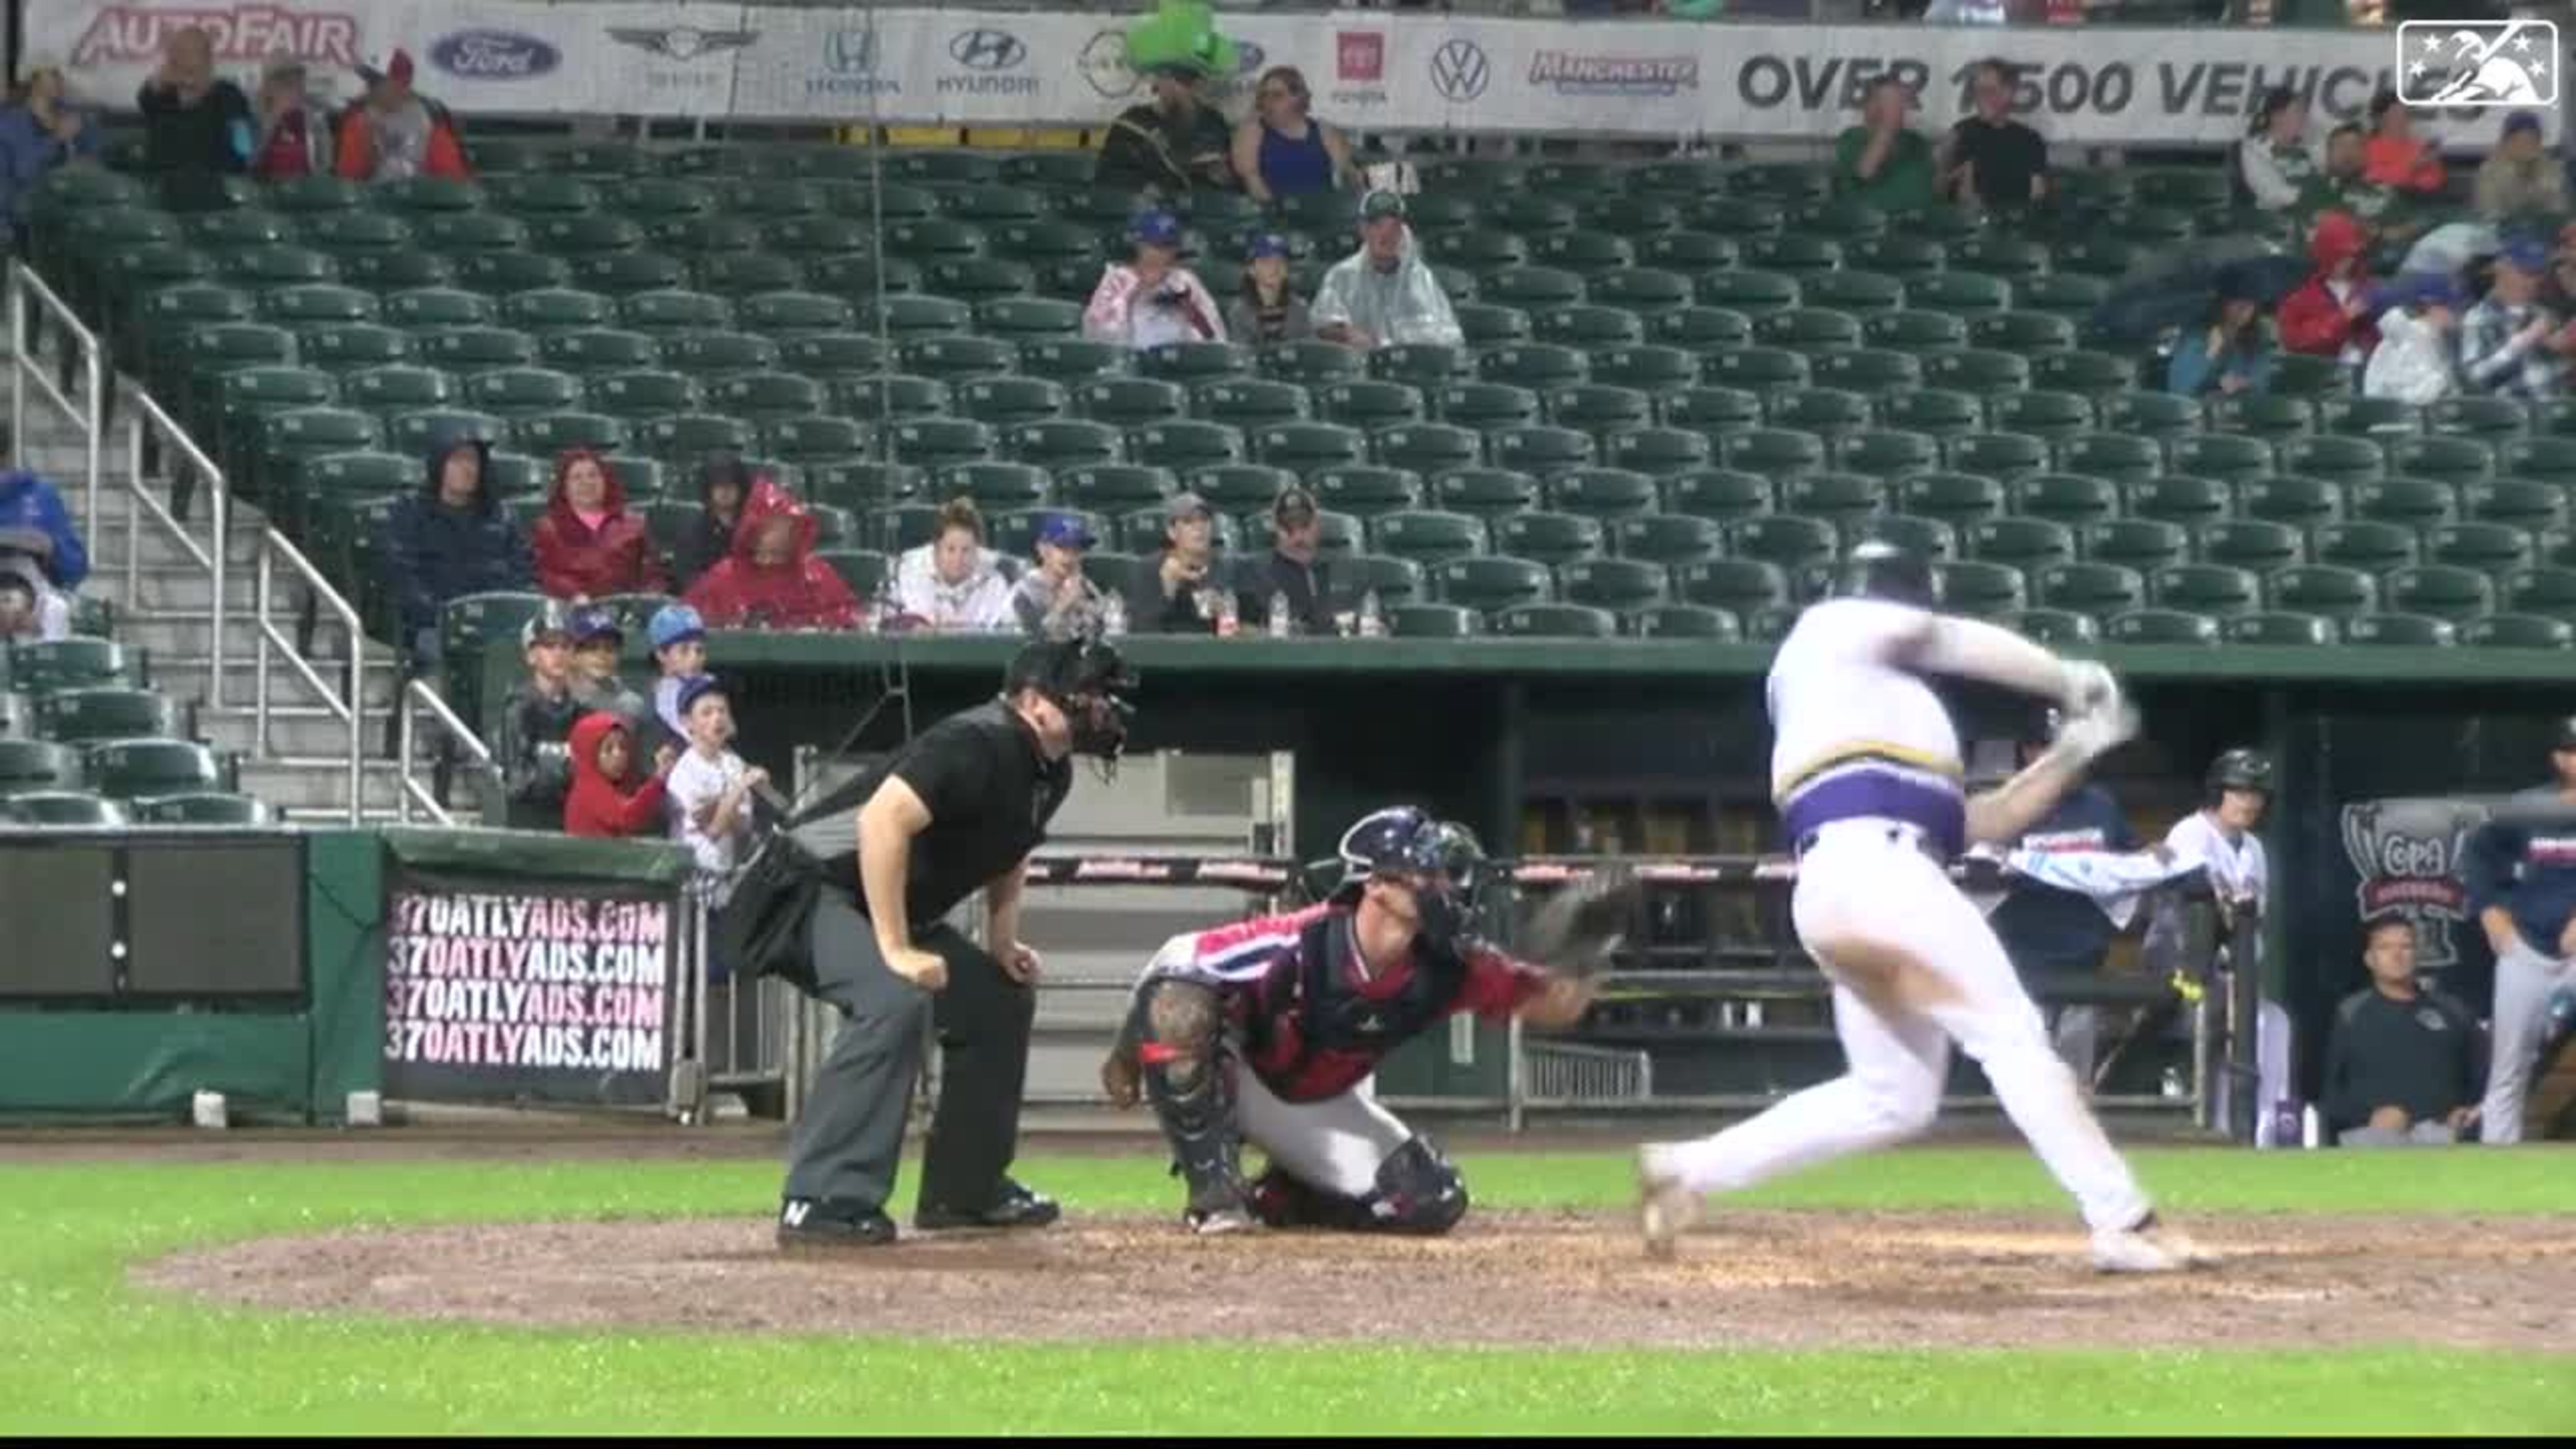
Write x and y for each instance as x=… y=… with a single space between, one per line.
x=987 y=49
x=493 y=55
x=1459 y=70
x=850 y=52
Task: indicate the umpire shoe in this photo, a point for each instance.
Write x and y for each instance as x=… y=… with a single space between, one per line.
x=823 y=1225
x=1014 y=1207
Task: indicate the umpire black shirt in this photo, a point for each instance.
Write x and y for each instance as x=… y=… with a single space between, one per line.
x=990 y=792
x=2422 y=1055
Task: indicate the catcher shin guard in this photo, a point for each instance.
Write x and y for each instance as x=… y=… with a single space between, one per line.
x=1177 y=1051
x=1417 y=1192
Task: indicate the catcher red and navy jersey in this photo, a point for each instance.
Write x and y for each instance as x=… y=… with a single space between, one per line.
x=1315 y=1019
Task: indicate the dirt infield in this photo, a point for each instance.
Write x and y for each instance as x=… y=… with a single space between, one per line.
x=1777 y=1280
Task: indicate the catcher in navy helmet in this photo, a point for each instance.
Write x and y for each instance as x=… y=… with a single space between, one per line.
x=1270 y=1030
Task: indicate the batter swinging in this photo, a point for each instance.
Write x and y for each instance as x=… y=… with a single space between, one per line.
x=1866 y=773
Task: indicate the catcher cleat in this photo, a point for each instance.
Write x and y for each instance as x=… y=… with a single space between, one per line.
x=1218 y=1222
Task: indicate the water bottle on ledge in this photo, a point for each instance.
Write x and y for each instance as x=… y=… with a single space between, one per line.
x=1281 y=624
x=1113 y=617
x=1372 y=616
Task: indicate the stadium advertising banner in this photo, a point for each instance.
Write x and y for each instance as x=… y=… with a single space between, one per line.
x=1368 y=69
x=500 y=988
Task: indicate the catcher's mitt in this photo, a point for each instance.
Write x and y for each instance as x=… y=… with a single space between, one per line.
x=1577 y=930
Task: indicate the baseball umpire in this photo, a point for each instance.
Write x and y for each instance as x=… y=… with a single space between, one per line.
x=1270 y=1030
x=956 y=811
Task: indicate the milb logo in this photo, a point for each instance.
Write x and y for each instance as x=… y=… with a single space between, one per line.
x=2477 y=63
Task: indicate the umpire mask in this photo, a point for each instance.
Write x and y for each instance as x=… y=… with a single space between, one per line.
x=1089 y=682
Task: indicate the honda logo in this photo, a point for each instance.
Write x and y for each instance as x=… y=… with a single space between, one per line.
x=1459 y=70
x=987 y=49
x=850 y=52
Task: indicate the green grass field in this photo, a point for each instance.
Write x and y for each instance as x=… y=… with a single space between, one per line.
x=80 y=1351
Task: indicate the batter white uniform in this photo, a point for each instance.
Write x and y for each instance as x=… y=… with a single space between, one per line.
x=1866 y=773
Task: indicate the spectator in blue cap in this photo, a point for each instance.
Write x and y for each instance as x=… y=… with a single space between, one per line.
x=598 y=640
x=1152 y=301
x=2517 y=180
x=2412 y=362
x=1054 y=600
x=679 y=640
x=1267 y=310
x=2510 y=345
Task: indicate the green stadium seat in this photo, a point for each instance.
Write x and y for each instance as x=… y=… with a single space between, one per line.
x=697 y=434
x=1427 y=537
x=980 y=279
x=233 y=232
x=1483 y=324
x=1541 y=451
x=2249 y=543
x=1859 y=293
x=1598 y=409
x=2100 y=253
x=865 y=282
x=1713 y=412
x=1961 y=499
x=1702 y=328
x=1586 y=254
x=2281 y=627
x=707 y=355
x=833 y=354
x=2333 y=457
x=1064 y=443
x=868 y=487
x=2413 y=503
x=498 y=274
x=2518 y=631
x=1491 y=582
x=1130 y=402
x=62 y=807
x=1365 y=491
x=1797 y=254
x=2099 y=590
x=1752 y=292
x=2263 y=416
x=1982 y=590
x=522 y=391
x=478 y=349
x=199 y=807
x=103 y=712
x=2301 y=375
x=1433 y=621
x=906 y=317
x=1915 y=330
x=2492 y=418
x=804 y=439
x=1196 y=362
x=995 y=487
x=1117 y=487
x=34 y=766
x=2214 y=590
x=2548 y=459
x=558 y=309
x=2022 y=331
x=1548 y=538
x=1369 y=404
x=2369 y=417
x=1015 y=319
x=786 y=313
x=1720 y=495
x=1005 y=401
x=1532 y=288
x=2043 y=413
x=2074 y=499
x=2440 y=591
x=440 y=307
x=1843 y=499
x=1477 y=249
x=2097 y=373
x=342 y=349
x=1695 y=622
x=1829 y=413
x=1074 y=360
x=1936 y=412
x=1923 y=537
x=1550 y=621
x=644 y=393
x=2070 y=295
x=2494 y=549
x=1428 y=449
x=1306 y=447
x=317 y=304
x=593 y=352
x=285 y=439
x=1659 y=452
x=1238 y=487
x=1644 y=292
x=2524 y=503
x=2234 y=457
x=1648 y=367
x=1014 y=533
x=254 y=390
x=1485 y=493
x=2145 y=544
x=131 y=768
x=550 y=434
x=1887 y=452
x=1251 y=402
x=1762 y=370
x=954 y=359
x=1667 y=540
x=1776 y=452
x=2401 y=630
x=1879 y=372
x=1999 y=455
x=1793 y=542
x=1996 y=254
x=1807 y=329
x=2162 y=626
x=2546 y=589
x=2302 y=502
x=1602 y=493
x=1903 y=254
x=538 y=195
x=2181 y=498
x=697 y=236
x=2056 y=628
x=1977 y=370
x=1185 y=445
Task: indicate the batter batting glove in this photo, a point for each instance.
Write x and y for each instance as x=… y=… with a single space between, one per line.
x=2095 y=733
x=2090 y=687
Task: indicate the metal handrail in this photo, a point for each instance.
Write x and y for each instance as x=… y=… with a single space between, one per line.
x=272 y=547
x=213 y=559
x=410 y=791
x=24 y=283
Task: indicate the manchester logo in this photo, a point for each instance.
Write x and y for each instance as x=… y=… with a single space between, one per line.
x=2406 y=854
x=2477 y=63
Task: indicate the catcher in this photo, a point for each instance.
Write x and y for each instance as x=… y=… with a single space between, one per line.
x=1270 y=1030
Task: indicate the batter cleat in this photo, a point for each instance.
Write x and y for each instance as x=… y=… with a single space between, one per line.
x=1217 y=1222
x=2149 y=1247
x=1666 y=1207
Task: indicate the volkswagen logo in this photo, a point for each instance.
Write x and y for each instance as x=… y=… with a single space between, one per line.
x=987 y=49
x=850 y=52
x=1459 y=70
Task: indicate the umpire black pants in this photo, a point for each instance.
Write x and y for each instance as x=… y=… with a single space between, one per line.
x=849 y=1140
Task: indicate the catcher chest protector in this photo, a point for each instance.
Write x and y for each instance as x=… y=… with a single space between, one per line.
x=1333 y=1017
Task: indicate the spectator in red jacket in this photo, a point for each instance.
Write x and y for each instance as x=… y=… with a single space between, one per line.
x=772 y=580
x=601 y=803
x=587 y=545
x=395 y=133
x=2330 y=315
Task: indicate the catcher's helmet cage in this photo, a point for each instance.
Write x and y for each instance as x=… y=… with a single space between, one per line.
x=1406 y=839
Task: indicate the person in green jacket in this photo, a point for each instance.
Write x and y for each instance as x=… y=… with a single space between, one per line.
x=1882 y=161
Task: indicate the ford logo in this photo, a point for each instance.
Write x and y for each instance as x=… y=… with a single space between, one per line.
x=987 y=49
x=493 y=55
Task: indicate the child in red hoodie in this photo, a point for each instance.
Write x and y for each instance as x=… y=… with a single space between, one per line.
x=600 y=804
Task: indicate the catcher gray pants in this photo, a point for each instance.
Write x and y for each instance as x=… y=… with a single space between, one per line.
x=2523 y=981
x=849 y=1140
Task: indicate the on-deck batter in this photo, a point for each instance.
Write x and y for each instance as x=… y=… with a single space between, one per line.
x=1866 y=773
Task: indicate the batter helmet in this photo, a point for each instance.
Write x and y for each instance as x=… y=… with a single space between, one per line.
x=2239 y=769
x=1878 y=569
